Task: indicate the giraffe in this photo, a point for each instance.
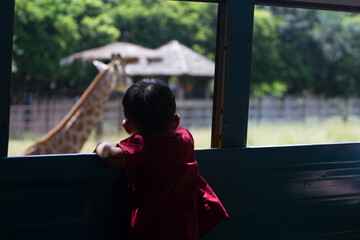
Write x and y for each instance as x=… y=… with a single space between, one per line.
x=74 y=129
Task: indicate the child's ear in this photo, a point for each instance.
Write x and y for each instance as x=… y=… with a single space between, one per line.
x=127 y=126
x=175 y=121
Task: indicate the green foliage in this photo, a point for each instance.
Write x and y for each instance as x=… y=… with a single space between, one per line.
x=294 y=50
x=47 y=30
x=349 y=65
x=275 y=89
x=266 y=60
x=153 y=23
x=319 y=52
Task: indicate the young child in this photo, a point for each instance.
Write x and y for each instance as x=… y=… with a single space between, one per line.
x=168 y=198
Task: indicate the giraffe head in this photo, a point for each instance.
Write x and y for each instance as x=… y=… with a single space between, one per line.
x=118 y=77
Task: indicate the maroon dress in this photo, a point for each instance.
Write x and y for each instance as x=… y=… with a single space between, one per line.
x=168 y=197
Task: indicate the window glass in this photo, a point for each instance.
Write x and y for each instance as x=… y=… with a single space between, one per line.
x=173 y=41
x=305 y=77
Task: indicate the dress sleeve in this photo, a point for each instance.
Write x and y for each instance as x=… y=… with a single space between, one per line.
x=133 y=148
x=210 y=209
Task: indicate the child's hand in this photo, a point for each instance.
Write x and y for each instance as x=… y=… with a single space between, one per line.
x=111 y=155
x=96 y=147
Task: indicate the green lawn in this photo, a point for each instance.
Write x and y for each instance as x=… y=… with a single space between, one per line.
x=17 y=146
x=262 y=134
x=309 y=132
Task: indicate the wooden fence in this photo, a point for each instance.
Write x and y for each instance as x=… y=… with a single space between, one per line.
x=40 y=118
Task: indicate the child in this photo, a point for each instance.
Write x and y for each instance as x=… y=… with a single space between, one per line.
x=168 y=198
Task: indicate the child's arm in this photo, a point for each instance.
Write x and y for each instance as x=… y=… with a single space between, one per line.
x=111 y=155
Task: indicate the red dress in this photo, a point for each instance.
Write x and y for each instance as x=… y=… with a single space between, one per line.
x=168 y=197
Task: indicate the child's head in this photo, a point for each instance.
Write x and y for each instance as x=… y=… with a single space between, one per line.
x=149 y=105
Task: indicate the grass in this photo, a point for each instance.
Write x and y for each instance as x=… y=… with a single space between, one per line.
x=309 y=132
x=259 y=134
x=202 y=138
x=17 y=147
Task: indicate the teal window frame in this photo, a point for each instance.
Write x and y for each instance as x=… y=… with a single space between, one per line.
x=232 y=71
x=233 y=64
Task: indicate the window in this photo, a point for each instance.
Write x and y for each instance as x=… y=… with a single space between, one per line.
x=46 y=34
x=305 y=77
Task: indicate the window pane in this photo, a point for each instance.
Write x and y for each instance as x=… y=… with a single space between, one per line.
x=175 y=42
x=305 y=77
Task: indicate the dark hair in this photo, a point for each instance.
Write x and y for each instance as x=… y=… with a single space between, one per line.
x=150 y=105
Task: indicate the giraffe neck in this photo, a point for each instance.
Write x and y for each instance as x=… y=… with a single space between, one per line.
x=72 y=132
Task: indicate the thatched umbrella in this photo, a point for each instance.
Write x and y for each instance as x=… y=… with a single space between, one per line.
x=170 y=59
x=175 y=60
x=131 y=53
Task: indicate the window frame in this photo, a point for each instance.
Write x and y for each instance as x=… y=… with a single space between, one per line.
x=334 y=5
x=233 y=49
x=233 y=59
x=6 y=45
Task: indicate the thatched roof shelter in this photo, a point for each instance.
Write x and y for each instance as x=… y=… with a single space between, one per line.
x=176 y=60
x=128 y=51
x=170 y=59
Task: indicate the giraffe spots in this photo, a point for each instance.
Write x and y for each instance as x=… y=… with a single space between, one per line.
x=65 y=149
x=79 y=126
x=89 y=122
x=55 y=140
x=89 y=111
x=52 y=150
x=59 y=141
x=96 y=115
x=67 y=137
x=83 y=139
x=74 y=139
x=88 y=130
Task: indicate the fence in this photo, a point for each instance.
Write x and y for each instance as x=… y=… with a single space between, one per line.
x=40 y=118
x=299 y=109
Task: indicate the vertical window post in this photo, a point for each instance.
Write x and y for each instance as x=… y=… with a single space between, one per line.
x=236 y=90
x=6 y=25
x=220 y=69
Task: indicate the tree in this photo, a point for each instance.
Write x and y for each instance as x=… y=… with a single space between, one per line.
x=47 y=30
x=293 y=50
x=348 y=66
x=335 y=34
x=297 y=48
x=319 y=51
x=266 y=77
x=153 y=23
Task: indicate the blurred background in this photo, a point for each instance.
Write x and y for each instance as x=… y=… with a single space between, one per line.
x=305 y=68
